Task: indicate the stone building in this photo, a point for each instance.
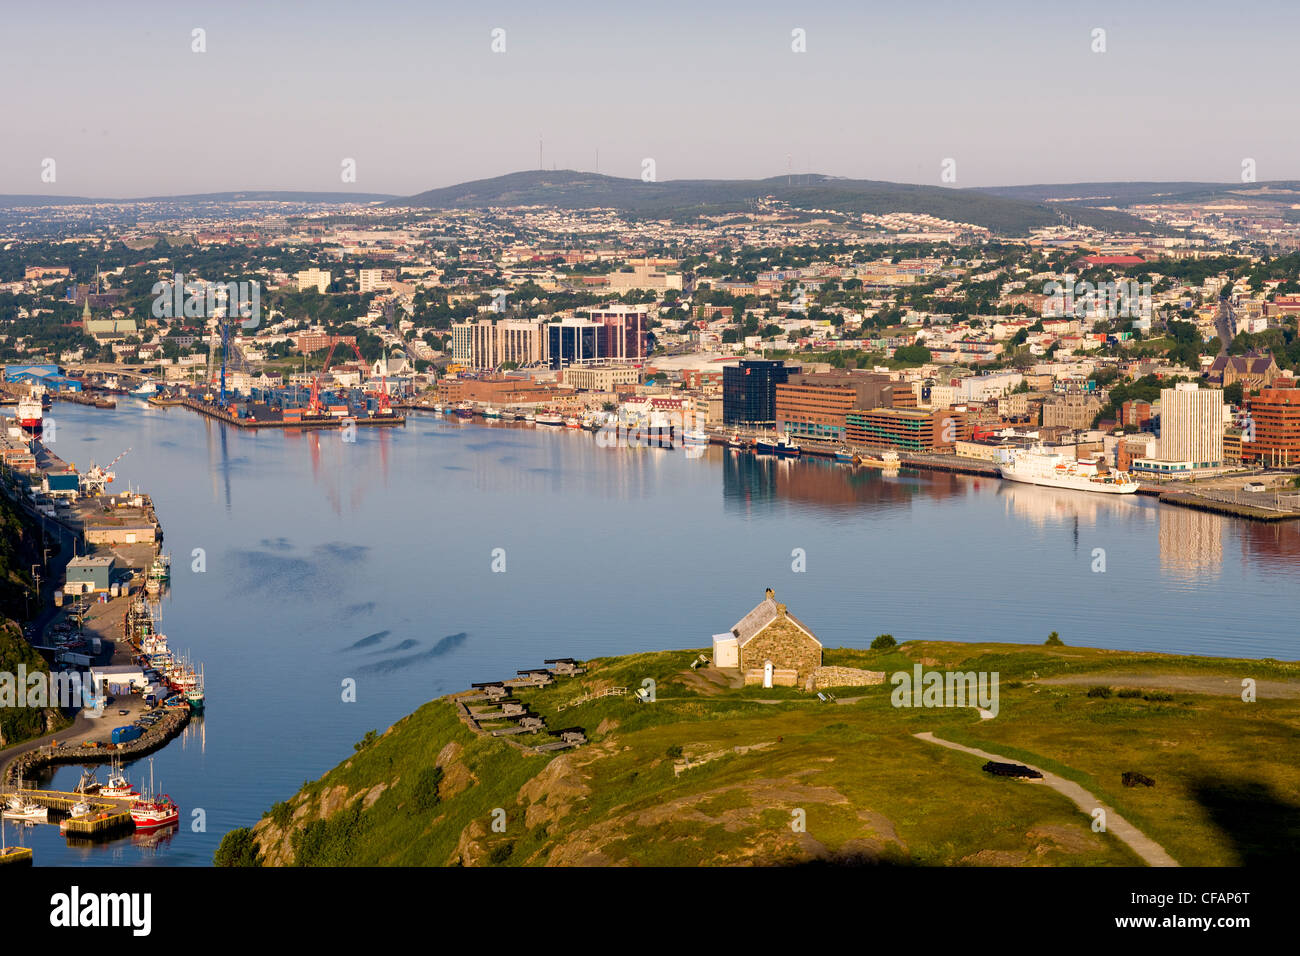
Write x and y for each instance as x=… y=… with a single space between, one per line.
x=769 y=646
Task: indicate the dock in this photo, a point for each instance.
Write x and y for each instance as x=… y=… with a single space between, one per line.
x=320 y=421
x=107 y=814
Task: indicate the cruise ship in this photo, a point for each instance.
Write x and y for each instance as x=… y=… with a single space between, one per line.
x=1039 y=467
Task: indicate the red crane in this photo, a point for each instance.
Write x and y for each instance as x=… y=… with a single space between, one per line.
x=313 y=402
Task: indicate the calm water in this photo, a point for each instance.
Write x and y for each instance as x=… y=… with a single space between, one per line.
x=373 y=561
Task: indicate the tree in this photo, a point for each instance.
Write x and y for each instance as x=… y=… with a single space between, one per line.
x=1054 y=640
x=884 y=642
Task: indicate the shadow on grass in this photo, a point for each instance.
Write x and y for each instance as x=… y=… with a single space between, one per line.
x=1262 y=825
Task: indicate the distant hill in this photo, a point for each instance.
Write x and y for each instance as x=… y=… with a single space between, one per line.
x=10 y=200
x=1128 y=194
x=679 y=198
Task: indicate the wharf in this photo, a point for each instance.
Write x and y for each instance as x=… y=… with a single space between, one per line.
x=85 y=398
x=323 y=421
x=107 y=814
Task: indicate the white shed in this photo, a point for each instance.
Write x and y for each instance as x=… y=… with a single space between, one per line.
x=726 y=650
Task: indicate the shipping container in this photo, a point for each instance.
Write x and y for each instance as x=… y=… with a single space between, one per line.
x=122 y=735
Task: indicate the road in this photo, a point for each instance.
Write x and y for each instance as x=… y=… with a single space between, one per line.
x=1141 y=844
x=1225 y=323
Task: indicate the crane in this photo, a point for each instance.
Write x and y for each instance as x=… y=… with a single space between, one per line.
x=94 y=481
x=313 y=403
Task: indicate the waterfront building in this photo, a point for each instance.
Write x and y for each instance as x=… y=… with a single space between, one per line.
x=816 y=405
x=907 y=429
x=599 y=378
x=574 y=341
x=1191 y=425
x=89 y=574
x=749 y=391
x=492 y=343
x=624 y=332
x=1275 y=422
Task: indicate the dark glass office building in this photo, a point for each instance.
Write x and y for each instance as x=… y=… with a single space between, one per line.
x=573 y=342
x=749 y=392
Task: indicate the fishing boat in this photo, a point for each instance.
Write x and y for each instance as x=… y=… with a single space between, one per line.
x=463 y=410
x=490 y=412
x=530 y=418
x=787 y=448
x=845 y=456
x=147 y=389
x=118 y=785
x=150 y=812
x=696 y=436
x=549 y=418
x=16 y=808
x=194 y=695
x=572 y=423
x=735 y=441
x=765 y=445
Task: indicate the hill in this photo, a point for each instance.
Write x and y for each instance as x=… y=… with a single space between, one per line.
x=18 y=551
x=711 y=774
x=675 y=199
x=260 y=196
x=1282 y=193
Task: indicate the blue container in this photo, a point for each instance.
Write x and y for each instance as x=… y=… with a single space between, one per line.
x=122 y=735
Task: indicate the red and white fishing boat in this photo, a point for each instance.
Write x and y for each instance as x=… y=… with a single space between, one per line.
x=118 y=785
x=150 y=812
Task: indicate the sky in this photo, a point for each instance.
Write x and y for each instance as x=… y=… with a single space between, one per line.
x=413 y=93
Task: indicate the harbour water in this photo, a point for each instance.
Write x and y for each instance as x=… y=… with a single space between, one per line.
x=324 y=560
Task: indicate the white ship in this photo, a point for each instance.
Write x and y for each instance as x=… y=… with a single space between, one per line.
x=1039 y=467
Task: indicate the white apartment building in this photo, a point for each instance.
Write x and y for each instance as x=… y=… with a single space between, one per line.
x=318 y=279
x=372 y=280
x=1191 y=430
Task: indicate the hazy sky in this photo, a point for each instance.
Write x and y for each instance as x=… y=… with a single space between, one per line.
x=413 y=92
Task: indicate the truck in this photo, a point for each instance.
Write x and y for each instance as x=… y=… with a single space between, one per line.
x=96 y=646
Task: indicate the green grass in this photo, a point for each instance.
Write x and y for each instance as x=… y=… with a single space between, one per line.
x=1226 y=772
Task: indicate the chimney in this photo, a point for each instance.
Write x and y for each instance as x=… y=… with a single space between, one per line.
x=770 y=594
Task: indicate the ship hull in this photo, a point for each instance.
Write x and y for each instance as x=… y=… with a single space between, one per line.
x=1070 y=484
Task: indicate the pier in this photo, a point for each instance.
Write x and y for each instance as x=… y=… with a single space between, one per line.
x=107 y=814
x=319 y=421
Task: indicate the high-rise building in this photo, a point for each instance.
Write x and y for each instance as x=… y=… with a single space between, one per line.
x=749 y=391
x=1191 y=425
x=624 y=334
x=1273 y=434
x=484 y=343
x=572 y=341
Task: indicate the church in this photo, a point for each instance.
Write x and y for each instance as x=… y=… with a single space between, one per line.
x=769 y=646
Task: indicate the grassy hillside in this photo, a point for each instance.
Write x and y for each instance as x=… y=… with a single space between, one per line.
x=18 y=552
x=569 y=189
x=425 y=792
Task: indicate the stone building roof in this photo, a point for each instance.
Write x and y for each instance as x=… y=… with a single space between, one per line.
x=757 y=620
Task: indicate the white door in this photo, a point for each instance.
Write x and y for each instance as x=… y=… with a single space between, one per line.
x=767 y=673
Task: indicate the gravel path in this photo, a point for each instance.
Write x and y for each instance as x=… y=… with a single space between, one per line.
x=1141 y=844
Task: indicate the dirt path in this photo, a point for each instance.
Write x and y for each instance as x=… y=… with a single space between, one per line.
x=1141 y=844
x=1216 y=684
